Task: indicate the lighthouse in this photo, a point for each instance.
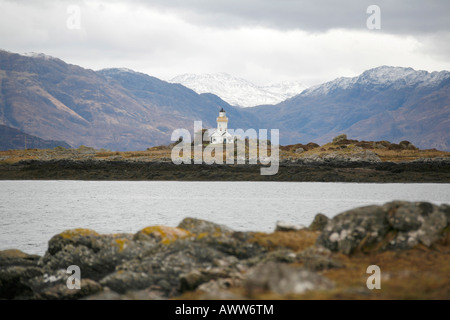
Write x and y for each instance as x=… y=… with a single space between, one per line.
x=222 y=121
x=221 y=134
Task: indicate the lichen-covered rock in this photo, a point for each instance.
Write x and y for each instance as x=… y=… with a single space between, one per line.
x=161 y=234
x=346 y=231
x=279 y=255
x=14 y=281
x=17 y=258
x=394 y=226
x=318 y=259
x=191 y=280
x=124 y=280
x=162 y=262
x=168 y=265
x=96 y=255
x=283 y=279
x=203 y=227
x=319 y=222
x=62 y=292
x=405 y=217
x=445 y=209
x=222 y=238
x=204 y=252
x=83 y=237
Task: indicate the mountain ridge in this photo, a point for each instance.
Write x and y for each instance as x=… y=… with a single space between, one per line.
x=105 y=109
x=13 y=139
x=414 y=107
x=124 y=110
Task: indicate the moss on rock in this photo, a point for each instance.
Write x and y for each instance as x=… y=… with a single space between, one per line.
x=162 y=234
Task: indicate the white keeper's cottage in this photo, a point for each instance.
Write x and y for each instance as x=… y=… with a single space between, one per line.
x=221 y=134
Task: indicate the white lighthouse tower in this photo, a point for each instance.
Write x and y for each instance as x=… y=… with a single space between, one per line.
x=221 y=134
x=222 y=121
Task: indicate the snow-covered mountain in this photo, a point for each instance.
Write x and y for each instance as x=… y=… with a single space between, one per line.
x=393 y=77
x=237 y=91
x=384 y=103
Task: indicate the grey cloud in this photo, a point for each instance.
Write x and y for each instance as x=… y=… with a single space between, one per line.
x=203 y=36
x=398 y=17
x=404 y=16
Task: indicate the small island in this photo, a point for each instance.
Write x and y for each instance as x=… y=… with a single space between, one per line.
x=342 y=160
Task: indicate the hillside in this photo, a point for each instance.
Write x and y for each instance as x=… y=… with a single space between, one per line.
x=385 y=103
x=15 y=139
x=124 y=110
x=116 y=109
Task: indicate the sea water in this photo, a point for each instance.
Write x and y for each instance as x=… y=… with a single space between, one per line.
x=31 y=212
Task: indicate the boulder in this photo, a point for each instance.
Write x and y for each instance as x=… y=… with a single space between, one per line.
x=222 y=238
x=83 y=237
x=394 y=226
x=345 y=232
x=167 y=264
x=61 y=292
x=318 y=259
x=96 y=255
x=340 y=138
x=319 y=222
x=14 y=281
x=17 y=258
x=203 y=227
x=191 y=280
x=123 y=280
x=161 y=234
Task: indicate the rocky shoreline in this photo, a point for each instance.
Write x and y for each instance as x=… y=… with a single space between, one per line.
x=309 y=169
x=409 y=241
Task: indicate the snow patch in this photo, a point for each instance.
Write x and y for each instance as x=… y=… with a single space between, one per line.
x=38 y=56
x=240 y=92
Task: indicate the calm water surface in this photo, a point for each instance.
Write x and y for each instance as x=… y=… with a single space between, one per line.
x=31 y=212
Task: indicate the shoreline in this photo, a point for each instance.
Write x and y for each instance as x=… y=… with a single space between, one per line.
x=419 y=171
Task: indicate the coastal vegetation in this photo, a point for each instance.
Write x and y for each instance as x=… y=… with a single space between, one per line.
x=385 y=150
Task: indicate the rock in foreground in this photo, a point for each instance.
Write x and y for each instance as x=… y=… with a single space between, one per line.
x=393 y=226
x=203 y=260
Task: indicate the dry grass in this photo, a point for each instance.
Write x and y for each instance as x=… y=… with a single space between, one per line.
x=409 y=155
x=418 y=274
x=164 y=152
x=294 y=240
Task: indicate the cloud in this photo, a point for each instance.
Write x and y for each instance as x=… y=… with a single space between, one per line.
x=407 y=16
x=262 y=41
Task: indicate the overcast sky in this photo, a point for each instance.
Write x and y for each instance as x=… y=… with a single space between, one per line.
x=263 y=41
